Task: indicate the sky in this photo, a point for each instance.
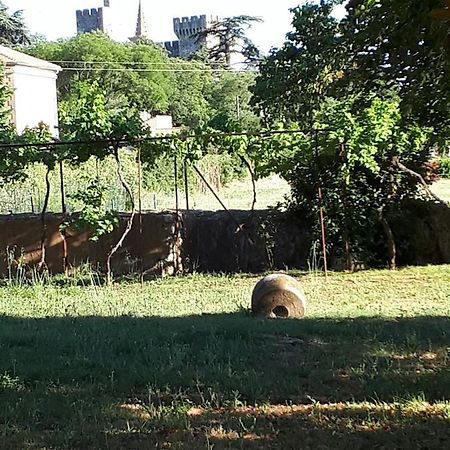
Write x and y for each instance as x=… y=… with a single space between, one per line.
x=56 y=18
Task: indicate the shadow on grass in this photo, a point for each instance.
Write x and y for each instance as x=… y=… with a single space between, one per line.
x=126 y=382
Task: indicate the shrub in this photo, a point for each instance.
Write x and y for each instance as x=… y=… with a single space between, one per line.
x=444 y=167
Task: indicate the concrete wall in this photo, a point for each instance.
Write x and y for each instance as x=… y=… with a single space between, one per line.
x=34 y=97
x=20 y=240
x=200 y=241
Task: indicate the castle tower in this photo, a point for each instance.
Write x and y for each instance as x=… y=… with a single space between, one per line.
x=187 y=30
x=141 y=25
x=95 y=19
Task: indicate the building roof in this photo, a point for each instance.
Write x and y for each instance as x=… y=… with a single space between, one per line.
x=14 y=58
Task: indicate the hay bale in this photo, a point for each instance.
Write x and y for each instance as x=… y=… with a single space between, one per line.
x=278 y=296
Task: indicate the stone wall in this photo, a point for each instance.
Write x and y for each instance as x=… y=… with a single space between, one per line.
x=205 y=241
x=243 y=241
x=89 y=20
x=422 y=233
x=187 y=30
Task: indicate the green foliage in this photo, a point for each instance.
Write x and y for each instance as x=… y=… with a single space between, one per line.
x=188 y=102
x=398 y=45
x=444 y=167
x=16 y=160
x=294 y=79
x=353 y=158
x=377 y=82
x=386 y=47
x=12 y=27
x=129 y=75
x=93 y=217
x=84 y=115
x=85 y=118
x=229 y=100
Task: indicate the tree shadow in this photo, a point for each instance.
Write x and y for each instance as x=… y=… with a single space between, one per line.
x=116 y=382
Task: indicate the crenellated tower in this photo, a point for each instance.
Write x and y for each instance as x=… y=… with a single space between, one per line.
x=95 y=19
x=187 y=30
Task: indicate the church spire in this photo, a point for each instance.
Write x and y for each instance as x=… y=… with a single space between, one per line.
x=141 y=24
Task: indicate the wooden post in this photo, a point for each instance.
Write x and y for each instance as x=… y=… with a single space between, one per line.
x=321 y=214
x=64 y=211
x=186 y=184
x=175 y=172
x=141 y=228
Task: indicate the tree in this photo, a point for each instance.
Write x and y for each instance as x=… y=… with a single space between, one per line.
x=372 y=139
x=131 y=75
x=294 y=80
x=228 y=37
x=189 y=104
x=399 y=46
x=85 y=118
x=12 y=27
x=358 y=156
x=229 y=100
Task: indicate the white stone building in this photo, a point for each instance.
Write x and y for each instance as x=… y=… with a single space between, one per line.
x=33 y=85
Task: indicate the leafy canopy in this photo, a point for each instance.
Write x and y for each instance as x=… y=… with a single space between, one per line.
x=12 y=27
x=130 y=75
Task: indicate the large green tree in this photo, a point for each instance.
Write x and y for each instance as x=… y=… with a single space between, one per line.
x=12 y=27
x=189 y=103
x=294 y=80
x=228 y=37
x=398 y=45
x=229 y=100
x=356 y=82
x=132 y=75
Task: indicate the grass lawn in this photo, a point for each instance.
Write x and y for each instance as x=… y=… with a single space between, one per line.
x=181 y=364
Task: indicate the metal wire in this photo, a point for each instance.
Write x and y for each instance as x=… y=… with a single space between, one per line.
x=112 y=142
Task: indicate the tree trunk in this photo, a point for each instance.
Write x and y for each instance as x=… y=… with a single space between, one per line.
x=129 y=224
x=346 y=231
x=392 y=249
x=252 y=175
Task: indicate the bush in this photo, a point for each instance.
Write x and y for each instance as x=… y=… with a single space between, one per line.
x=444 y=167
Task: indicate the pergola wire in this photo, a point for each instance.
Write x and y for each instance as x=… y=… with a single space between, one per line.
x=113 y=141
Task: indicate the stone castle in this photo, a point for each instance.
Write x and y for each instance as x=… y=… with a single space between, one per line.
x=95 y=19
x=186 y=29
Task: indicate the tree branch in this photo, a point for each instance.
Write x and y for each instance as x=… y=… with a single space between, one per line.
x=42 y=262
x=129 y=224
x=418 y=177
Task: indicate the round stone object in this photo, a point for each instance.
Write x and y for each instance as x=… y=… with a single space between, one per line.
x=278 y=296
